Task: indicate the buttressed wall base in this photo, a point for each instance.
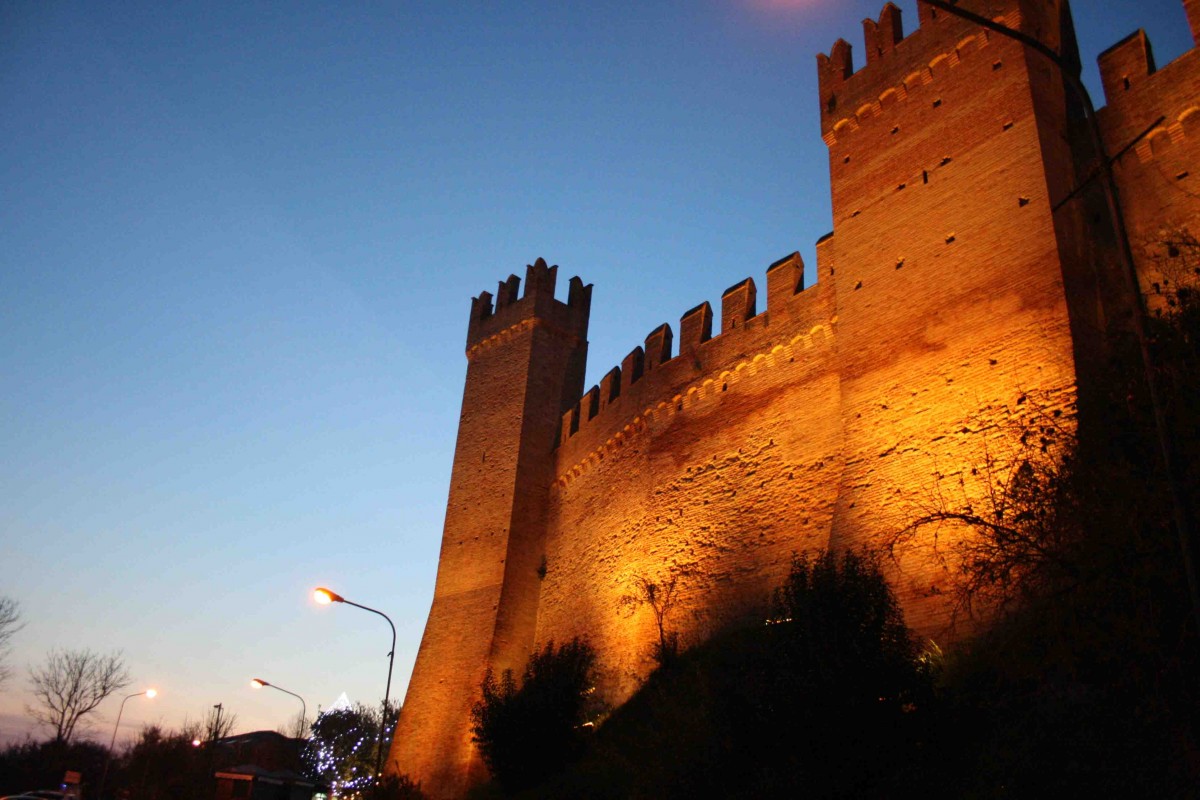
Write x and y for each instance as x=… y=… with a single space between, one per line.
x=960 y=295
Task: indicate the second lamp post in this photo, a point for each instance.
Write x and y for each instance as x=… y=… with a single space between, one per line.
x=325 y=597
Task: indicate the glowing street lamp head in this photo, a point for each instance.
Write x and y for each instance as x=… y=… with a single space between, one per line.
x=326 y=596
x=258 y=683
x=152 y=693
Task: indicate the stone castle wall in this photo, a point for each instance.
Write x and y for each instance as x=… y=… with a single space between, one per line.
x=1151 y=122
x=960 y=298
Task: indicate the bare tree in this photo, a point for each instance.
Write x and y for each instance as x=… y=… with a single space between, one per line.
x=660 y=596
x=70 y=684
x=218 y=723
x=1004 y=530
x=10 y=623
x=295 y=728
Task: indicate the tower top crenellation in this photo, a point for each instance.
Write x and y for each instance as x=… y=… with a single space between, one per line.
x=491 y=315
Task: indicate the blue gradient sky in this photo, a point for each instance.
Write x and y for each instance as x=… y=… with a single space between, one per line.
x=237 y=247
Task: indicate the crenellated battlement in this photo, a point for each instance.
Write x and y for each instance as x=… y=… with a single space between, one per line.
x=490 y=322
x=967 y=273
x=898 y=67
x=1125 y=64
x=882 y=36
x=654 y=372
x=1162 y=106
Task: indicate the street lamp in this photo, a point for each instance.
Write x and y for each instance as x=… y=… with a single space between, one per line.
x=259 y=683
x=149 y=694
x=324 y=597
x=1166 y=449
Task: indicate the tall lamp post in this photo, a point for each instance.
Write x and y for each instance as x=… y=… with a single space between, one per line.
x=326 y=596
x=149 y=694
x=259 y=683
x=1166 y=448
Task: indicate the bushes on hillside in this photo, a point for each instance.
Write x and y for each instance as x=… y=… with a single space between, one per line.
x=530 y=731
x=830 y=698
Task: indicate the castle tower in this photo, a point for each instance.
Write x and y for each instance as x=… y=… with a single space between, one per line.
x=525 y=367
x=949 y=152
x=1157 y=110
x=961 y=302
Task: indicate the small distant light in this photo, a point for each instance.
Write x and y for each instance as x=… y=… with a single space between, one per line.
x=195 y=742
x=152 y=693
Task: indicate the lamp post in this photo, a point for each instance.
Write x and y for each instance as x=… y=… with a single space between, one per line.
x=259 y=683
x=324 y=597
x=1166 y=448
x=149 y=694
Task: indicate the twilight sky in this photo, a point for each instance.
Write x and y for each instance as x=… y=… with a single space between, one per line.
x=238 y=243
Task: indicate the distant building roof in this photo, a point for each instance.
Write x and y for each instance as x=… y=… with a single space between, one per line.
x=249 y=772
x=256 y=738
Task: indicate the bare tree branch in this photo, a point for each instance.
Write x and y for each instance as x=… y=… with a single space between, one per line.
x=660 y=596
x=295 y=728
x=218 y=723
x=10 y=623
x=1009 y=527
x=69 y=686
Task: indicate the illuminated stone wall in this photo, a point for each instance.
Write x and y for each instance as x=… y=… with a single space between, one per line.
x=948 y=152
x=960 y=299
x=715 y=466
x=1158 y=113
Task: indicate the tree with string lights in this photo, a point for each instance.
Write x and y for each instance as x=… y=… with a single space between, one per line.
x=342 y=751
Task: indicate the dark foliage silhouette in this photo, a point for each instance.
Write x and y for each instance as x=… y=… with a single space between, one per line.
x=832 y=698
x=529 y=731
x=29 y=764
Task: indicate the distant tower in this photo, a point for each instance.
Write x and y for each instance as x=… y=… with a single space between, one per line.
x=525 y=368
